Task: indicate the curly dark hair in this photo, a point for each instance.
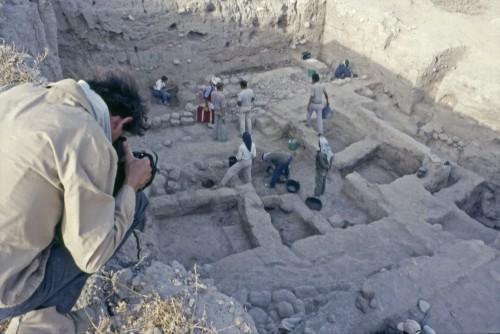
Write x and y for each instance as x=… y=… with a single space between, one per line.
x=122 y=96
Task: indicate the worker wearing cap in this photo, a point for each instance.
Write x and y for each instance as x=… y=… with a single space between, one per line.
x=343 y=70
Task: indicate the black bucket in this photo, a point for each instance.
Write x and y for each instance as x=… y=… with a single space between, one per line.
x=208 y=183
x=292 y=186
x=421 y=172
x=314 y=203
x=232 y=160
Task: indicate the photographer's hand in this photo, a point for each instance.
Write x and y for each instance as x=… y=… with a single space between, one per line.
x=137 y=172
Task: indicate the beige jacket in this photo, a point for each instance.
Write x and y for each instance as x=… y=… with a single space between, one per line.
x=56 y=166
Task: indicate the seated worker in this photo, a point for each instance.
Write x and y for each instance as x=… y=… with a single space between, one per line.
x=315 y=104
x=59 y=219
x=343 y=70
x=160 y=90
x=281 y=162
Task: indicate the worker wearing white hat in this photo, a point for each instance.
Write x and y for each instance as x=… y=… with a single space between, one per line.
x=207 y=95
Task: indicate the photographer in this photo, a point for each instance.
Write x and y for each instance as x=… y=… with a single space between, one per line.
x=59 y=219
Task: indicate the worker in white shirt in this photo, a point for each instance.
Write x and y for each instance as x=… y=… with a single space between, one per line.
x=315 y=104
x=245 y=101
x=246 y=154
x=160 y=90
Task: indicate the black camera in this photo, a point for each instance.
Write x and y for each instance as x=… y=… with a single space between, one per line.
x=120 y=174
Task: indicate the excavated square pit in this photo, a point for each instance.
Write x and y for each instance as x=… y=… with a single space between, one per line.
x=341 y=132
x=290 y=226
x=377 y=170
x=386 y=164
x=202 y=238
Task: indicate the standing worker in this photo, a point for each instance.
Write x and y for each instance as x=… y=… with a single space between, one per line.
x=245 y=101
x=246 y=153
x=281 y=162
x=324 y=159
x=316 y=103
x=220 y=108
x=207 y=97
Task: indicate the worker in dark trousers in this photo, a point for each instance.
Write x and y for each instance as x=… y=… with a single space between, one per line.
x=281 y=162
x=324 y=159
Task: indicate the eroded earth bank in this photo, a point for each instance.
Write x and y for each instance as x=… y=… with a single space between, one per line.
x=387 y=245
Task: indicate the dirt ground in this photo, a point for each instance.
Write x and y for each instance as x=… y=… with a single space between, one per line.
x=425 y=98
x=374 y=193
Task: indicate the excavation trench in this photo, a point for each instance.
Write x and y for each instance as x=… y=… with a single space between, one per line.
x=256 y=242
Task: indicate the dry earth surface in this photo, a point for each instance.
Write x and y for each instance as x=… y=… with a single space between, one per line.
x=386 y=246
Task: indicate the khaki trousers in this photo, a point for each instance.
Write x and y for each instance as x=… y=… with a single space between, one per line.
x=245 y=120
x=244 y=167
x=44 y=321
x=318 y=109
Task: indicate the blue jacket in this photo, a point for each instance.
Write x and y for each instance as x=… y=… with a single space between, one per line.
x=343 y=72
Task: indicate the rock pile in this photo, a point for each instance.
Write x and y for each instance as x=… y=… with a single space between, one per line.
x=135 y=292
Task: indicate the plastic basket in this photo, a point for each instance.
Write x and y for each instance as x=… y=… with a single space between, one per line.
x=311 y=72
x=293 y=144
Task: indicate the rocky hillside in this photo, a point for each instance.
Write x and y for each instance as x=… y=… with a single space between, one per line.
x=179 y=38
x=426 y=50
x=32 y=25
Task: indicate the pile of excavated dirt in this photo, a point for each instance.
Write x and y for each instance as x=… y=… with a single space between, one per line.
x=386 y=246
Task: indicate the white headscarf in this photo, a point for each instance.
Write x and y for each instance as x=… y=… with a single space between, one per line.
x=215 y=80
x=325 y=148
x=100 y=111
